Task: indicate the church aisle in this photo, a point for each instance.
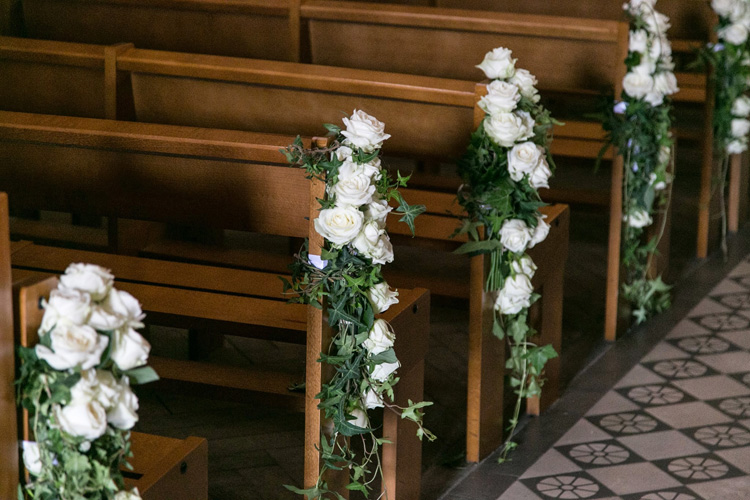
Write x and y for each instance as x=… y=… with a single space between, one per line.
x=675 y=422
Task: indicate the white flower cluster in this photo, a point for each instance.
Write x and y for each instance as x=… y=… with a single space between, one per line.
x=736 y=17
x=737 y=12
x=653 y=78
x=512 y=128
x=358 y=216
x=509 y=126
x=83 y=317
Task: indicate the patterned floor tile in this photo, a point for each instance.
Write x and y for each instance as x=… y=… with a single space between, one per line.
x=704 y=344
x=699 y=468
x=602 y=453
x=730 y=362
x=628 y=423
x=639 y=375
x=735 y=407
x=728 y=489
x=739 y=457
x=551 y=463
x=739 y=300
x=715 y=387
x=665 y=350
x=670 y=494
x=720 y=436
x=621 y=479
x=680 y=368
x=659 y=445
x=686 y=415
x=724 y=321
x=708 y=306
x=612 y=402
x=686 y=328
x=727 y=287
x=518 y=491
x=583 y=432
x=568 y=486
x=740 y=338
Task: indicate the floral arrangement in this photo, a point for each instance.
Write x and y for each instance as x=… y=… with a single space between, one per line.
x=730 y=60
x=639 y=127
x=75 y=384
x=348 y=276
x=505 y=164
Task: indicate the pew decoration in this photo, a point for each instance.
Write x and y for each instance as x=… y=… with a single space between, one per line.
x=639 y=126
x=348 y=276
x=730 y=62
x=507 y=161
x=75 y=385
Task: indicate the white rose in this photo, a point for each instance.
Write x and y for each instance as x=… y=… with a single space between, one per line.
x=382 y=371
x=32 y=458
x=359 y=418
x=498 y=64
x=638 y=41
x=515 y=235
x=73 y=345
x=380 y=338
x=72 y=306
x=737 y=146
x=86 y=389
x=739 y=12
x=523 y=159
x=128 y=495
x=356 y=190
x=378 y=211
x=129 y=349
x=373 y=242
x=666 y=83
x=339 y=225
x=660 y=47
x=741 y=106
x=540 y=232
x=539 y=177
x=87 y=419
x=351 y=168
x=107 y=390
x=723 y=7
x=637 y=84
x=638 y=218
x=382 y=297
x=116 y=310
x=735 y=33
x=343 y=153
x=87 y=278
x=123 y=414
x=740 y=127
x=654 y=98
x=665 y=154
x=504 y=128
x=515 y=294
x=528 y=125
x=657 y=23
x=524 y=265
x=364 y=131
x=502 y=97
x=657 y=182
x=526 y=83
x=373 y=400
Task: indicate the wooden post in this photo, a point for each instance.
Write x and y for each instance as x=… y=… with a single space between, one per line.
x=734 y=200
x=295 y=28
x=9 y=471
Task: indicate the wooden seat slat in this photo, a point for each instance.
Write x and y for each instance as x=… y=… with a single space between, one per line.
x=51 y=52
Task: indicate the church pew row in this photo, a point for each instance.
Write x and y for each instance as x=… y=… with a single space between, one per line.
x=428 y=118
x=163 y=468
x=128 y=165
x=52 y=162
x=405 y=38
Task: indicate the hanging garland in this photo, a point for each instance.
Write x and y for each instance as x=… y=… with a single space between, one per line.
x=639 y=126
x=75 y=384
x=730 y=60
x=505 y=164
x=348 y=276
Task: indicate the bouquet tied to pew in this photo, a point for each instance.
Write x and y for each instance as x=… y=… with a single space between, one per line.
x=730 y=79
x=639 y=126
x=505 y=165
x=347 y=277
x=75 y=385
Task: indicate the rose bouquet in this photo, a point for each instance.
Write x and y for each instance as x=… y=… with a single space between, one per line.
x=506 y=163
x=75 y=384
x=730 y=60
x=639 y=127
x=348 y=276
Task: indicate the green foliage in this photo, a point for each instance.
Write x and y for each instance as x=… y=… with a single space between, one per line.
x=341 y=288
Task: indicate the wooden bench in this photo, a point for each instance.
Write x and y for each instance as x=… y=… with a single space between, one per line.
x=163 y=468
x=213 y=178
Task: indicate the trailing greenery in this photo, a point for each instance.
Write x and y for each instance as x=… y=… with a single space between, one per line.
x=505 y=164
x=639 y=127
x=730 y=63
x=347 y=280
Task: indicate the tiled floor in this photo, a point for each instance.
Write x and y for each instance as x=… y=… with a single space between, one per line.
x=676 y=426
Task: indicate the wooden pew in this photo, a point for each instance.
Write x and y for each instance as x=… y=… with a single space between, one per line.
x=214 y=178
x=9 y=473
x=163 y=468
